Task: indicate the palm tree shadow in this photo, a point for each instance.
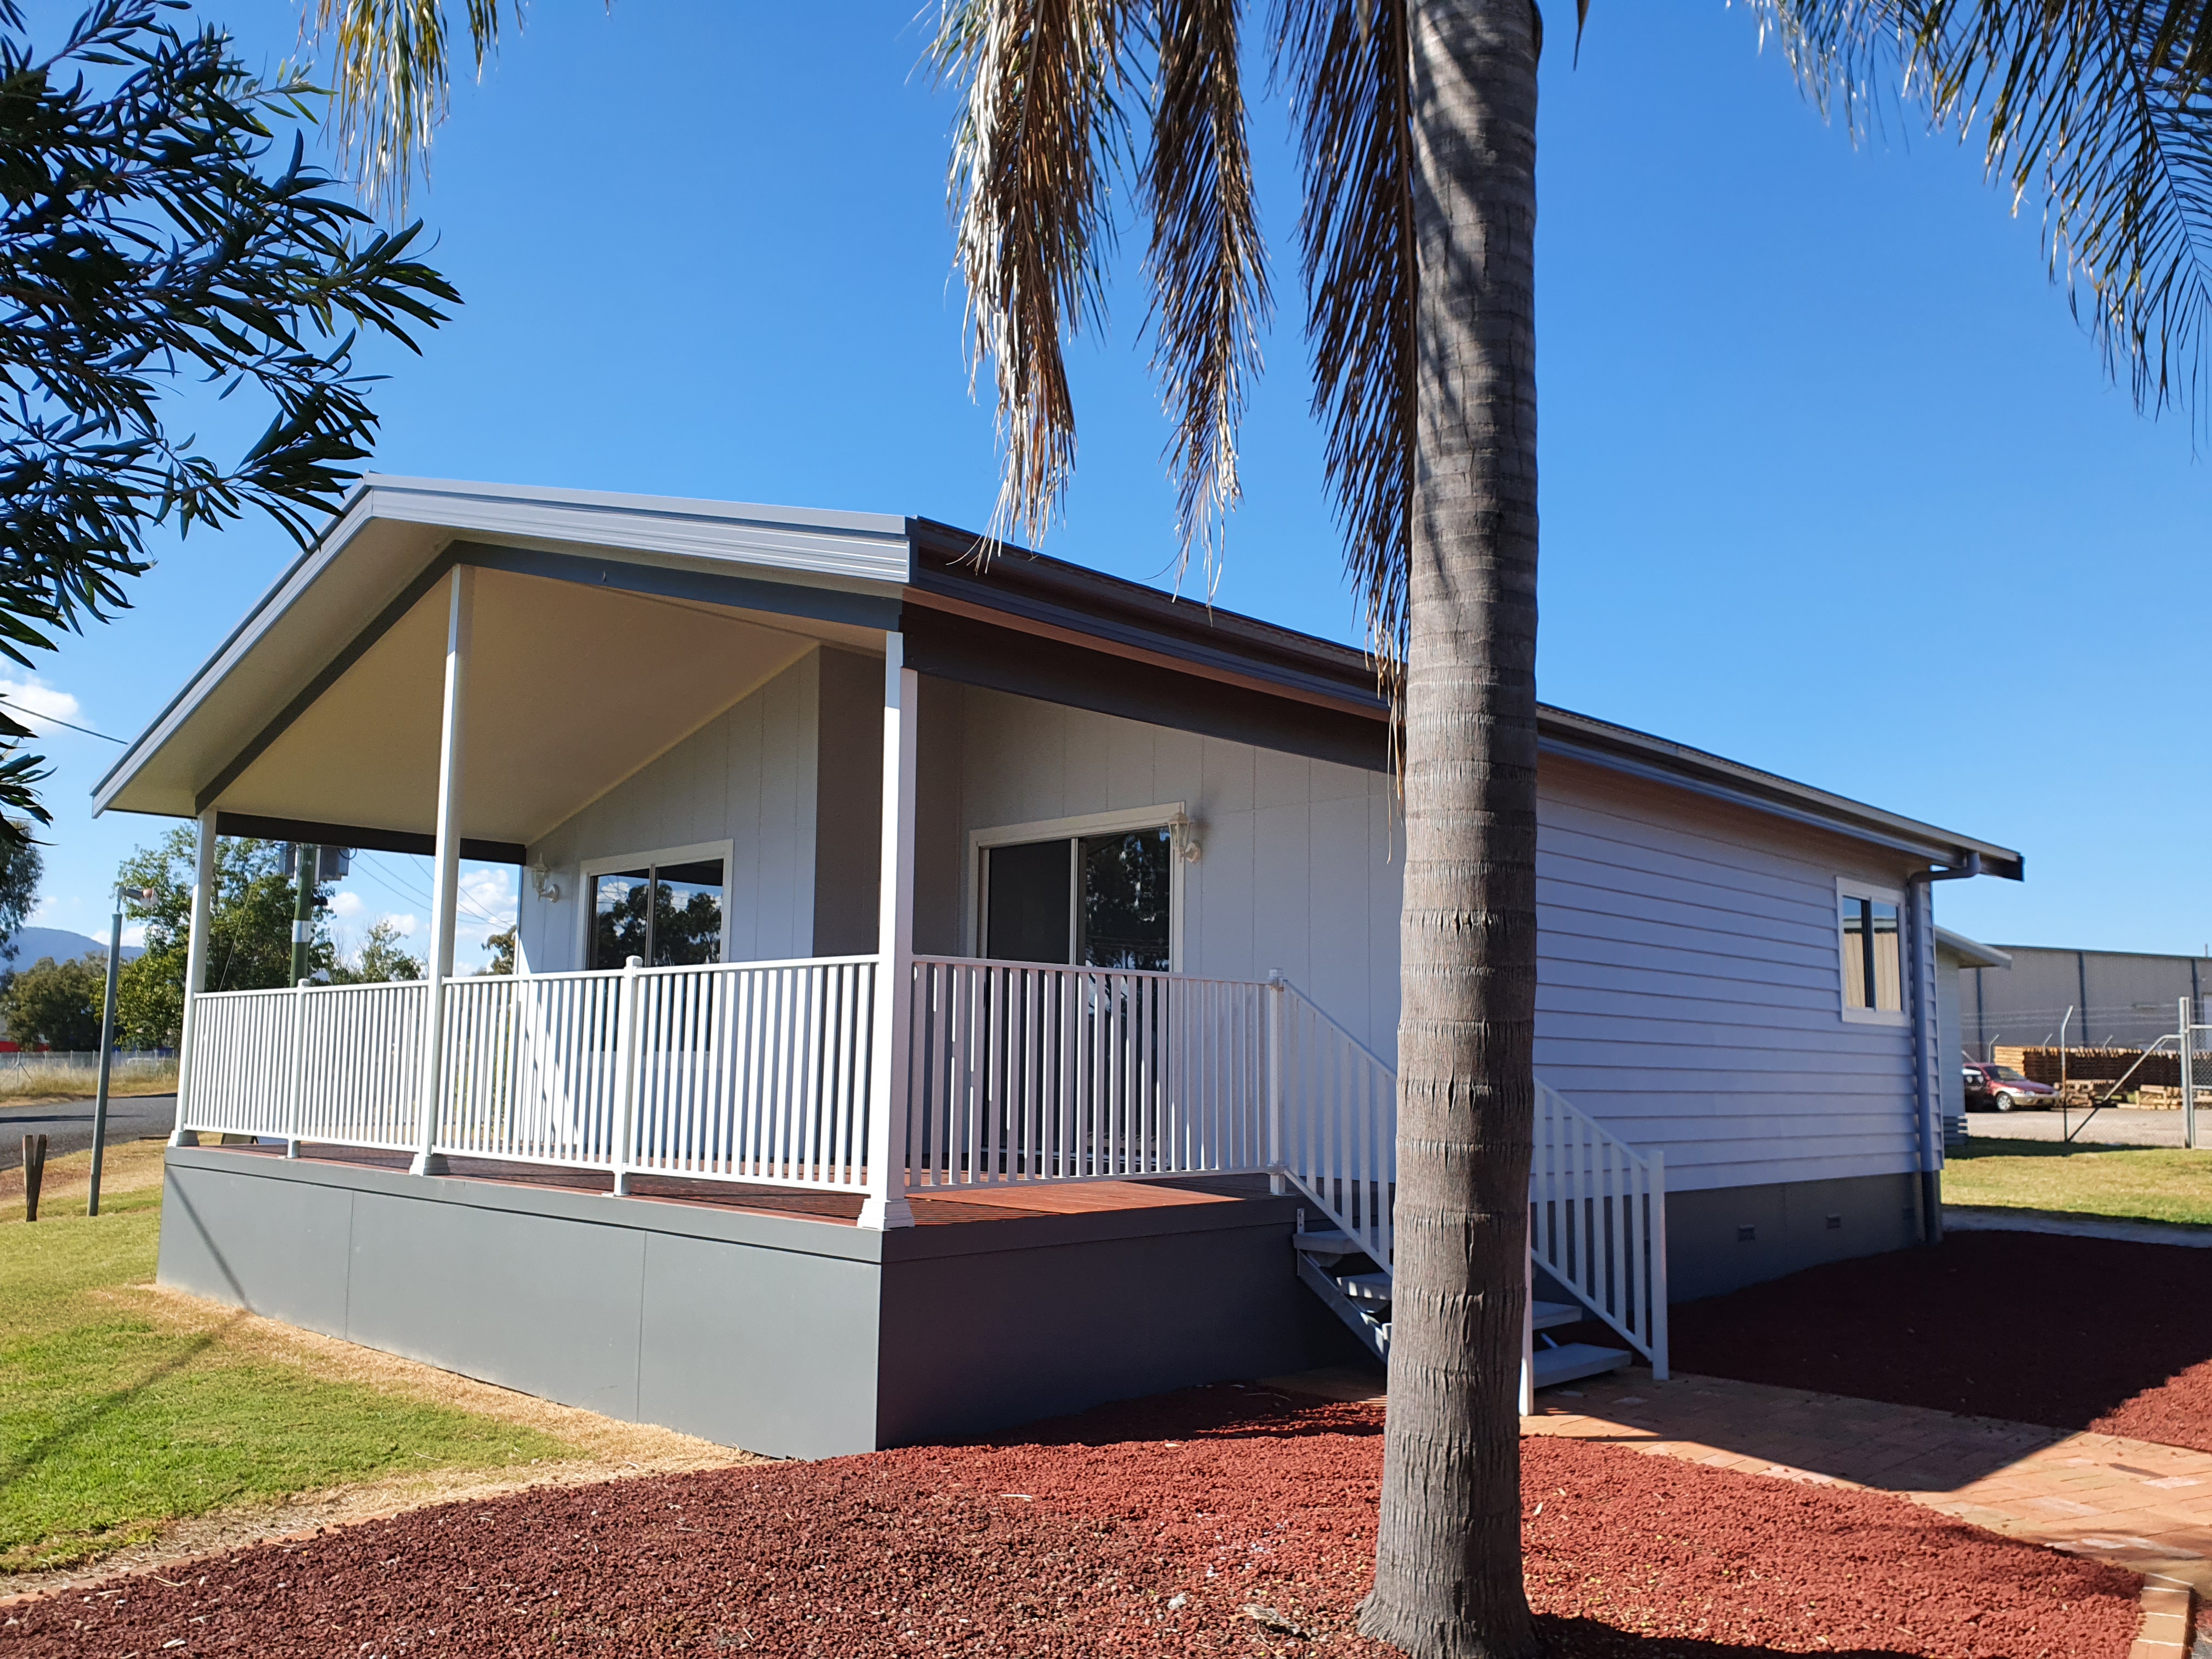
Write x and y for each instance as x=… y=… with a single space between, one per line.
x=1589 y=1638
x=94 y=1412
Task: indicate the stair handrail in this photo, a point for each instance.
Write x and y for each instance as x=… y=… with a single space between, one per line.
x=1597 y=1222
x=1332 y=1125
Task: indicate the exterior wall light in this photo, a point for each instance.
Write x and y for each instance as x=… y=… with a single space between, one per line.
x=541 y=880
x=1182 y=837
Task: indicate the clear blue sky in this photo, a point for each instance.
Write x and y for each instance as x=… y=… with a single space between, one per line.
x=1832 y=484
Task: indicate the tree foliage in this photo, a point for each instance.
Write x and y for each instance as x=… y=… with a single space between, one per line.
x=154 y=233
x=381 y=958
x=57 y=1003
x=249 y=936
x=20 y=867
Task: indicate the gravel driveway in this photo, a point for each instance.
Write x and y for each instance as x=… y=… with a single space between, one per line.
x=2114 y=1126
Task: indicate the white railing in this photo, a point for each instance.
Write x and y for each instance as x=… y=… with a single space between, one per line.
x=1336 y=1116
x=756 y=1071
x=1019 y=1072
x=334 y=1063
x=1597 y=1222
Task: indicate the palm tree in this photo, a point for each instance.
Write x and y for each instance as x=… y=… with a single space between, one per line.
x=1418 y=123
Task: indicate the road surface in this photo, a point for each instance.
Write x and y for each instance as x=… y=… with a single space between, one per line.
x=2113 y=1125
x=67 y=1124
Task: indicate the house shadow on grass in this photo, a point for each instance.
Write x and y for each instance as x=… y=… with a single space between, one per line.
x=1588 y=1638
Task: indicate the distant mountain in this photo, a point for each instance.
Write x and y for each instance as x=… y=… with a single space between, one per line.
x=31 y=943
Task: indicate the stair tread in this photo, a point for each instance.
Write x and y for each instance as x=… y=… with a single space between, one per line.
x=1546 y=1315
x=1364 y=1287
x=1572 y=1360
x=1326 y=1241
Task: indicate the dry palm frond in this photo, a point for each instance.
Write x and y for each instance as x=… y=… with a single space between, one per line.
x=1347 y=63
x=1207 y=261
x=2102 y=107
x=392 y=78
x=1041 y=130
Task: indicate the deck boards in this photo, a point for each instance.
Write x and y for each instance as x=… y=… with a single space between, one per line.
x=838 y=1209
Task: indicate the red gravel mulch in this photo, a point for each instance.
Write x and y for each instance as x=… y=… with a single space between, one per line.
x=1218 y=1521
x=2072 y=1333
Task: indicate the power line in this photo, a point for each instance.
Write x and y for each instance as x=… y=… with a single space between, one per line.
x=56 y=720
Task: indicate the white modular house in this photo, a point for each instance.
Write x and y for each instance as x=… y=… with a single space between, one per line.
x=952 y=992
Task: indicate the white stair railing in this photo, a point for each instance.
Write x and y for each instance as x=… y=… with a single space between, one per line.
x=1334 y=1113
x=1597 y=1222
x=1597 y=1206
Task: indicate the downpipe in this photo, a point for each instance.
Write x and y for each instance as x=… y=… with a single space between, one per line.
x=1930 y=1082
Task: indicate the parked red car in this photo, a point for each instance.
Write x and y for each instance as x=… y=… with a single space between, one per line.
x=2004 y=1088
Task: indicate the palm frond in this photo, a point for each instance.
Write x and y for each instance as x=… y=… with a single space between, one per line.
x=1207 y=261
x=393 y=75
x=1041 y=131
x=1346 y=63
x=2103 y=108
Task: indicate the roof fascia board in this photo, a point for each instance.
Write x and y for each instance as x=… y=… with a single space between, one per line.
x=870 y=546
x=361 y=835
x=353 y=514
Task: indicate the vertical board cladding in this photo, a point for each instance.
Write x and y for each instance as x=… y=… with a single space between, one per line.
x=1690 y=991
x=1295 y=870
x=749 y=776
x=848 y=819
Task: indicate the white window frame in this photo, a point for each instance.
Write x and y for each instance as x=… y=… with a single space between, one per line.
x=1167 y=816
x=724 y=850
x=1846 y=888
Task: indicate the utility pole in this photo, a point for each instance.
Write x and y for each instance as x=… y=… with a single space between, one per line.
x=106 y=1047
x=303 y=908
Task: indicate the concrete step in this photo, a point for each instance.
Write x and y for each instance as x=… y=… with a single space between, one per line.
x=1547 y=1315
x=1323 y=1242
x=1372 y=1289
x=1570 y=1360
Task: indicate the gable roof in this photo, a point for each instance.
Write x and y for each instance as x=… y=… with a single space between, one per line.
x=1022 y=620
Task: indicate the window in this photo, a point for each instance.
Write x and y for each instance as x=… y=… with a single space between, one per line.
x=1102 y=899
x=669 y=914
x=1873 y=954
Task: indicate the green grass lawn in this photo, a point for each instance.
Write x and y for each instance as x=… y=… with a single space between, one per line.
x=115 y=1417
x=2132 y=1183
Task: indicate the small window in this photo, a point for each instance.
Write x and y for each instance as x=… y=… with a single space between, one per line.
x=1873 y=954
x=668 y=914
x=1098 y=901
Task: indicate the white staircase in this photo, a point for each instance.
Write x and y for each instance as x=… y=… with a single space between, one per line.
x=1597 y=1207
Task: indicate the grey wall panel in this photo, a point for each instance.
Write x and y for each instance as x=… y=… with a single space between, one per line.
x=776 y=1352
x=849 y=817
x=974 y=1343
x=749 y=775
x=1707 y=1254
x=536 y=1302
x=276 y=1248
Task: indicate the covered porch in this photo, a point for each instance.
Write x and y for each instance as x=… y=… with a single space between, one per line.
x=700 y=731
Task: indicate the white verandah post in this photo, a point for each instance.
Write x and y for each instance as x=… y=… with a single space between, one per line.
x=446 y=884
x=196 y=960
x=885 y=1205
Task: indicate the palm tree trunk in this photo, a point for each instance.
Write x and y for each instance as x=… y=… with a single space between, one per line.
x=1448 y=1569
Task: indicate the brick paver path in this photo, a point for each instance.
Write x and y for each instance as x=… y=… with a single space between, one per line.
x=2144 y=1506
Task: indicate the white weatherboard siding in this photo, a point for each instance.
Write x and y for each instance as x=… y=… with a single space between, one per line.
x=748 y=777
x=1295 y=871
x=1689 y=984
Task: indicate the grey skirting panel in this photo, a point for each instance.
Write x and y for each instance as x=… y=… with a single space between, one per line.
x=1726 y=1238
x=787 y=1336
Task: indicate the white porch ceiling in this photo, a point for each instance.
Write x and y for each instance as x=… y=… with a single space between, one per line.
x=571 y=689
